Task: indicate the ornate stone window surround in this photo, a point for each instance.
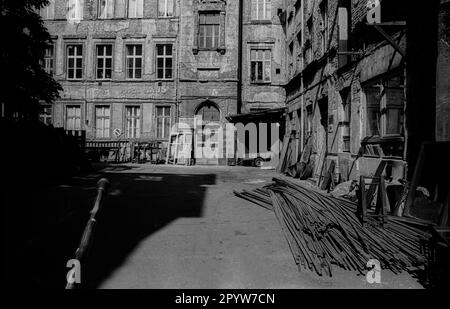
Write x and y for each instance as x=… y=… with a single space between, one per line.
x=206 y=6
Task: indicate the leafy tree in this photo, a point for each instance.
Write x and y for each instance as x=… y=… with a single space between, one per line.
x=24 y=82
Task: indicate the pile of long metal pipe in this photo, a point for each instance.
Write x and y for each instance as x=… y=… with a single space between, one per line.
x=323 y=231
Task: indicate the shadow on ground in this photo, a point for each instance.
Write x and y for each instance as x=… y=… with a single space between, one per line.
x=43 y=227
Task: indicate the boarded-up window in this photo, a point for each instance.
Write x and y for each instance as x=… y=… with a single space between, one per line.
x=165 y=8
x=163 y=122
x=261 y=10
x=105 y=9
x=75 y=9
x=135 y=8
x=102 y=121
x=120 y=8
x=73 y=118
x=48 y=12
x=133 y=121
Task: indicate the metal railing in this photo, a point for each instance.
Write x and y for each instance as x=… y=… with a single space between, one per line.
x=88 y=235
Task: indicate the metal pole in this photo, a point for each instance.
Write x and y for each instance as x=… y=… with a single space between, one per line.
x=88 y=234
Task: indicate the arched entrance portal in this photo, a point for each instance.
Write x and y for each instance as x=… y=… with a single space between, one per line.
x=207 y=140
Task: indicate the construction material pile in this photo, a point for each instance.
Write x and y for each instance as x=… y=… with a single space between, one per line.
x=323 y=231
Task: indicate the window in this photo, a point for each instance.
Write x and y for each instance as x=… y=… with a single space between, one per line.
x=346 y=125
x=324 y=25
x=373 y=111
x=104 y=61
x=163 y=122
x=134 y=61
x=73 y=118
x=209 y=30
x=261 y=10
x=74 y=62
x=344 y=23
x=75 y=9
x=102 y=121
x=105 y=9
x=385 y=104
x=308 y=51
x=165 y=8
x=164 y=61
x=133 y=121
x=135 y=8
x=261 y=65
x=48 y=12
x=45 y=116
x=48 y=62
x=309 y=119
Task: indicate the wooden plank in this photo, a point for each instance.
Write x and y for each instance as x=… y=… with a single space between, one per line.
x=283 y=153
x=328 y=180
x=374 y=184
x=363 y=200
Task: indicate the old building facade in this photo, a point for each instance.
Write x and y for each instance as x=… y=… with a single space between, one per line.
x=346 y=85
x=263 y=50
x=116 y=60
x=131 y=69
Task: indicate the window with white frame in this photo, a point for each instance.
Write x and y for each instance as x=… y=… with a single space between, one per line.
x=74 y=61
x=75 y=9
x=135 y=8
x=163 y=122
x=134 y=61
x=48 y=12
x=165 y=8
x=105 y=9
x=45 y=116
x=261 y=65
x=104 y=61
x=164 y=61
x=261 y=10
x=102 y=121
x=48 y=62
x=73 y=118
x=133 y=114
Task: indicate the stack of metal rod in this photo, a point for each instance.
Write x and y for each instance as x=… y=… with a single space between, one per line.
x=324 y=231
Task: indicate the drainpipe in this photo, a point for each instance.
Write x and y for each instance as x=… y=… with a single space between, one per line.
x=302 y=86
x=240 y=45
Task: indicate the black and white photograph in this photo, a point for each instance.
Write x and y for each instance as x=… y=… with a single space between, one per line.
x=225 y=150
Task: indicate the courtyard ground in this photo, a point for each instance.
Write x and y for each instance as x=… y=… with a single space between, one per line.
x=178 y=227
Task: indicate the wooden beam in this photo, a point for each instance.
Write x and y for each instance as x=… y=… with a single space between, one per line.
x=390 y=40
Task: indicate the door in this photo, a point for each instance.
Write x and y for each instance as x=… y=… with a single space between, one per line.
x=207 y=139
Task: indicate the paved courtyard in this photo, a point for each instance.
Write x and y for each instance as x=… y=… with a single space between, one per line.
x=161 y=227
x=182 y=227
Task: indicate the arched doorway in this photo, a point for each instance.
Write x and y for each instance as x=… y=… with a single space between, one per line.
x=207 y=140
